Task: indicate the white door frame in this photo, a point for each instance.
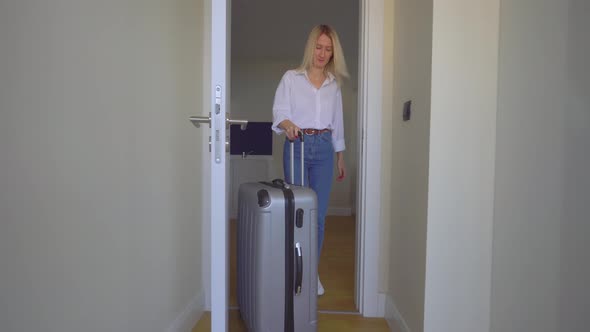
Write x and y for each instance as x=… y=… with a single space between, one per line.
x=367 y=297
x=215 y=164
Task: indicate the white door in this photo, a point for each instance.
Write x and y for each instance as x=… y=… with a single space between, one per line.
x=217 y=122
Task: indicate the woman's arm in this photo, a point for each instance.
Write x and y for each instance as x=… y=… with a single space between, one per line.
x=338 y=124
x=281 y=109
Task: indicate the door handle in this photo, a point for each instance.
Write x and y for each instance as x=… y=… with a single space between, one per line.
x=243 y=123
x=197 y=120
x=229 y=122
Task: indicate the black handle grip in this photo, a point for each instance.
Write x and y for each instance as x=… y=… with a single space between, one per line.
x=299 y=135
x=278 y=182
x=298 y=269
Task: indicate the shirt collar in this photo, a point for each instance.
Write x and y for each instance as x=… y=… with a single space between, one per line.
x=331 y=76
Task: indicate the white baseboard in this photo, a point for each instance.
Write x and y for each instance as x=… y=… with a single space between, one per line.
x=339 y=211
x=189 y=317
x=393 y=317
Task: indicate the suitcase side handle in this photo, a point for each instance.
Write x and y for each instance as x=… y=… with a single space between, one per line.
x=298 y=268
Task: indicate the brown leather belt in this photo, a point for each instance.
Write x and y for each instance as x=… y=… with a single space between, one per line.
x=310 y=131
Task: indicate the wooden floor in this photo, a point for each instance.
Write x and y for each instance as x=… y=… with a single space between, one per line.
x=337 y=273
x=336 y=269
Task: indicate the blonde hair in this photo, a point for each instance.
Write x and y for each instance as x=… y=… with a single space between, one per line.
x=337 y=64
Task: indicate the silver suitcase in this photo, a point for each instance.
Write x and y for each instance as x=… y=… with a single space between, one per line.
x=277 y=256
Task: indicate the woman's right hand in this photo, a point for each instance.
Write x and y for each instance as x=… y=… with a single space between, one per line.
x=291 y=130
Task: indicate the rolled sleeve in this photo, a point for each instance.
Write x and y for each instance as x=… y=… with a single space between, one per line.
x=281 y=109
x=338 y=145
x=338 y=129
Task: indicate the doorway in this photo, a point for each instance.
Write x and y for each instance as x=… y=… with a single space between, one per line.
x=267 y=39
x=367 y=205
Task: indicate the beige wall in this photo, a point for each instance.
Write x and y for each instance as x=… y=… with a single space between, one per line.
x=412 y=50
x=574 y=272
x=540 y=266
x=389 y=192
x=461 y=166
x=508 y=199
x=99 y=205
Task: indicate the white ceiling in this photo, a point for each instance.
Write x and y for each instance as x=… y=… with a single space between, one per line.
x=279 y=28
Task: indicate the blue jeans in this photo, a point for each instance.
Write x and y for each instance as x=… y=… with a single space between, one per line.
x=318 y=172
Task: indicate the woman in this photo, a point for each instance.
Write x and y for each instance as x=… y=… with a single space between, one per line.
x=309 y=100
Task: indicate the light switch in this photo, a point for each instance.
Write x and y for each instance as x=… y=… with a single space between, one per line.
x=407 y=113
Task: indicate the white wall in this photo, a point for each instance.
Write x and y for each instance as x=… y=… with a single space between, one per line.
x=268 y=38
x=412 y=57
x=254 y=82
x=541 y=265
x=99 y=205
x=277 y=29
x=461 y=174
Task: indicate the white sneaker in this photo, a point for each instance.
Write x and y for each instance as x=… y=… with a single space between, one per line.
x=320 y=287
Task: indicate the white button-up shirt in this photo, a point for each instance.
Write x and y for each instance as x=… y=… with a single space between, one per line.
x=298 y=100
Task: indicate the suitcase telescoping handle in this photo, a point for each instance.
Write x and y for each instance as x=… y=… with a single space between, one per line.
x=300 y=134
